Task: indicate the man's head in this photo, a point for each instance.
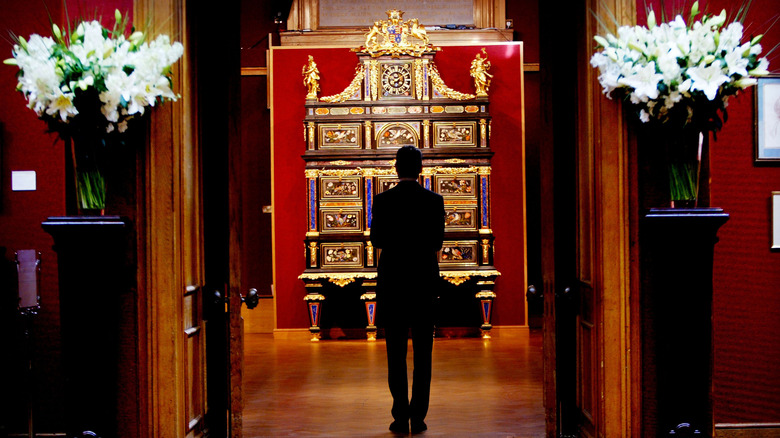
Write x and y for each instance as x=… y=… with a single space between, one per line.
x=408 y=162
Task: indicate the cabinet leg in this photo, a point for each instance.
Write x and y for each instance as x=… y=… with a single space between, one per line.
x=486 y=307
x=314 y=302
x=369 y=299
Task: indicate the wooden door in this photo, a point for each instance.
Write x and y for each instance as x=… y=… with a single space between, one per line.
x=588 y=260
x=218 y=85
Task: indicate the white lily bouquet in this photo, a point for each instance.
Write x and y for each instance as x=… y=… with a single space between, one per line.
x=91 y=81
x=63 y=75
x=678 y=76
x=675 y=71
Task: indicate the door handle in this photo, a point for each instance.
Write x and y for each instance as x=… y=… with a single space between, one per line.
x=251 y=299
x=565 y=293
x=532 y=293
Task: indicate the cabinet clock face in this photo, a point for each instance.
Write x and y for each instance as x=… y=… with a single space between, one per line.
x=396 y=79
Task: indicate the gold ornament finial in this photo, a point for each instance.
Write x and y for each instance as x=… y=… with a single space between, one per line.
x=479 y=71
x=391 y=37
x=311 y=79
x=395 y=14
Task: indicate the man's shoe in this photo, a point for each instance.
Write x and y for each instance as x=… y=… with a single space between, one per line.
x=419 y=426
x=398 y=426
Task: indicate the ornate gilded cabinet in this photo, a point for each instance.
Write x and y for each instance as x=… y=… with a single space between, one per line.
x=397 y=97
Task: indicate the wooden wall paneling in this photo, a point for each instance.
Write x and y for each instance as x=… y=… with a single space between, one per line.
x=304 y=14
x=490 y=14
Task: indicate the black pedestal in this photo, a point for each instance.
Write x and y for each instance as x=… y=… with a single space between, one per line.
x=91 y=255
x=677 y=256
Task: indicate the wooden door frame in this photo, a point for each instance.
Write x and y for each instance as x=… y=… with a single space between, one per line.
x=168 y=188
x=612 y=166
x=616 y=216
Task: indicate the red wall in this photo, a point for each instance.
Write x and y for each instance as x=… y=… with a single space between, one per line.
x=26 y=146
x=337 y=68
x=746 y=300
x=747 y=273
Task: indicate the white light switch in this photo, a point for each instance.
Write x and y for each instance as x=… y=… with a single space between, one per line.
x=22 y=180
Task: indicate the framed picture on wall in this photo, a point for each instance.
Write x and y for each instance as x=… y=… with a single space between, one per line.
x=768 y=120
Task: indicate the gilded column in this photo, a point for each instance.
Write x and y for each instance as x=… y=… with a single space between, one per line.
x=374 y=79
x=311 y=179
x=311 y=136
x=418 y=79
x=483 y=132
x=369 y=185
x=313 y=250
x=367 y=125
x=484 y=199
x=426 y=173
x=367 y=80
x=426 y=133
x=485 y=251
x=426 y=92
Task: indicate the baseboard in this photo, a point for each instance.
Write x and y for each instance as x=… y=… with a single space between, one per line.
x=747 y=430
x=292 y=334
x=509 y=331
x=336 y=333
x=39 y=435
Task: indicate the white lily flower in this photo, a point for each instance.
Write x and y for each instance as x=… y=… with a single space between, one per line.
x=730 y=37
x=707 y=79
x=736 y=63
x=62 y=105
x=644 y=81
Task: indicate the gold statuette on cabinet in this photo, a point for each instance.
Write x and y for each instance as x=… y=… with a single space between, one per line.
x=311 y=79
x=479 y=71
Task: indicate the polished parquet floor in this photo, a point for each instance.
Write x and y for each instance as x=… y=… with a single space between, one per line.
x=338 y=388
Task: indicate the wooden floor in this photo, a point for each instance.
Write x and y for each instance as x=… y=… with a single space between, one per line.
x=480 y=388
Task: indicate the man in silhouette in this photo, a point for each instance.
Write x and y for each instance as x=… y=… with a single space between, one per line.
x=408 y=226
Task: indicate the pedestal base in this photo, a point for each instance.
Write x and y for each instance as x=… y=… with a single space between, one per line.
x=93 y=273
x=677 y=257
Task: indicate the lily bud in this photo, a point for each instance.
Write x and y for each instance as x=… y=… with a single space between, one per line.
x=718 y=20
x=23 y=43
x=117 y=15
x=633 y=46
x=756 y=40
x=137 y=37
x=694 y=10
x=56 y=30
x=708 y=59
x=10 y=61
x=651 y=19
x=762 y=69
x=746 y=82
x=602 y=42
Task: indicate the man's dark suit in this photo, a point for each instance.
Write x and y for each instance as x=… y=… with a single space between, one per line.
x=408 y=226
